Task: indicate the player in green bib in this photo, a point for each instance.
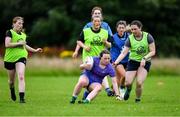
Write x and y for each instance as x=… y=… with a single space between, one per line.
x=16 y=55
x=93 y=40
x=97 y=12
x=142 y=47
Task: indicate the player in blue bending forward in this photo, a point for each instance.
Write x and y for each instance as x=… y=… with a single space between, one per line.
x=95 y=69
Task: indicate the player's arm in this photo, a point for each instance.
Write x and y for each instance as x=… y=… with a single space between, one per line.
x=122 y=55
x=9 y=44
x=80 y=42
x=88 y=64
x=32 y=49
x=115 y=86
x=107 y=42
x=151 y=53
x=76 y=51
x=152 y=50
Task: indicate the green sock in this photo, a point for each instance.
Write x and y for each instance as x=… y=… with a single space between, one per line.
x=74 y=98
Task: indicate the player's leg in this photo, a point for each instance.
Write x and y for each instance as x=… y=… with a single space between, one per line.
x=86 y=93
x=105 y=84
x=129 y=78
x=12 y=77
x=95 y=88
x=20 y=69
x=83 y=82
x=122 y=86
x=132 y=68
x=120 y=71
x=141 y=76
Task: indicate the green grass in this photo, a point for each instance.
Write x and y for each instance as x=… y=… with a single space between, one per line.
x=50 y=96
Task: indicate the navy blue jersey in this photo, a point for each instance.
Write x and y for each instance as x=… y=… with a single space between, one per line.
x=117 y=46
x=104 y=25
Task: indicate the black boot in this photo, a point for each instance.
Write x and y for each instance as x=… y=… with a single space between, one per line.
x=21 y=95
x=127 y=93
x=13 y=95
x=137 y=100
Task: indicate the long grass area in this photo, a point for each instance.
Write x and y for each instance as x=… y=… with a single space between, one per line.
x=38 y=66
x=50 y=96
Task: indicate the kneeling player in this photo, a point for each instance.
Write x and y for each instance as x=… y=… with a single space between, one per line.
x=95 y=69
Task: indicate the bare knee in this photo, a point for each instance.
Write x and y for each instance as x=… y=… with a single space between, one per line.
x=139 y=84
x=127 y=83
x=82 y=83
x=98 y=88
x=21 y=77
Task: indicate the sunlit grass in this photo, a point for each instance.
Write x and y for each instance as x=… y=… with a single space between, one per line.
x=48 y=96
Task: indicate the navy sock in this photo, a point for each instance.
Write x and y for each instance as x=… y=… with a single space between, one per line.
x=122 y=87
x=86 y=93
x=107 y=89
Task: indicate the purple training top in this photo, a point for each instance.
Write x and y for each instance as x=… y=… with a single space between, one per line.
x=97 y=74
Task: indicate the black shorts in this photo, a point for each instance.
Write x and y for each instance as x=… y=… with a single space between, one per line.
x=134 y=65
x=123 y=64
x=11 y=65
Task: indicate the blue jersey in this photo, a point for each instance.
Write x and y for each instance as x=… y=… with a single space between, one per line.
x=104 y=25
x=97 y=74
x=117 y=46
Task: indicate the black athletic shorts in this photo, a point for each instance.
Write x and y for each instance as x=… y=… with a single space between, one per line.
x=11 y=65
x=134 y=65
x=123 y=64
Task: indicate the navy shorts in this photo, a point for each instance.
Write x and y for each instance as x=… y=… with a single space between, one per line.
x=11 y=65
x=134 y=65
x=92 y=79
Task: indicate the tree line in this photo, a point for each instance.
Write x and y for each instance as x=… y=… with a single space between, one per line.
x=59 y=22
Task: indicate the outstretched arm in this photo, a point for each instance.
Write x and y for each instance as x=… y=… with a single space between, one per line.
x=32 y=49
x=122 y=55
x=88 y=64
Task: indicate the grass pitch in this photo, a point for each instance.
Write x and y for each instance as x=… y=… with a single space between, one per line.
x=50 y=96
